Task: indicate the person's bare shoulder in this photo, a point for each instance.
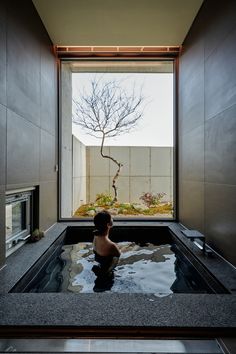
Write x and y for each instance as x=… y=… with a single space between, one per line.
x=114 y=250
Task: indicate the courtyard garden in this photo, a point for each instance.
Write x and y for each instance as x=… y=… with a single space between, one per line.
x=151 y=204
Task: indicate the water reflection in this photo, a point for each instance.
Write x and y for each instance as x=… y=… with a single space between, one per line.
x=187 y=279
x=145 y=268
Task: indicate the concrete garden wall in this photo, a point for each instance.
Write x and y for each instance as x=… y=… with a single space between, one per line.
x=145 y=169
x=79 y=173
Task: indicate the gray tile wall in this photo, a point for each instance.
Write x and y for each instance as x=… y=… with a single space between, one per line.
x=28 y=110
x=207 y=126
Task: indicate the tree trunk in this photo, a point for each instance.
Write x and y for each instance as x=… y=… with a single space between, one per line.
x=115 y=199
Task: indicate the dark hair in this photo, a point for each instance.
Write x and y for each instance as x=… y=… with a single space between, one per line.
x=101 y=219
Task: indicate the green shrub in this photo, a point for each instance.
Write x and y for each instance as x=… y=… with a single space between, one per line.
x=103 y=199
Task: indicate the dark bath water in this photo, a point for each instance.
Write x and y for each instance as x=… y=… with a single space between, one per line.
x=141 y=269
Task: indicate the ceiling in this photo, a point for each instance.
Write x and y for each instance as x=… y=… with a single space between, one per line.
x=117 y=22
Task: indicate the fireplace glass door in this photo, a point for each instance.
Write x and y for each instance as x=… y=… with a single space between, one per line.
x=18 y=220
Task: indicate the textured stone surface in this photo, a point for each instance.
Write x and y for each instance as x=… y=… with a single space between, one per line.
x=185 y=311
x=177 y=310
x=26 y=256
x=221 y=269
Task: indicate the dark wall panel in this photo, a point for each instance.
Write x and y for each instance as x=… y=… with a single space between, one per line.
x=28 y=110
x=192 y=204
x=23 y=140
x=192 y=157
x=220 y=218
x=220 y=77
x=192 y=57
x=3 y=116
x=48 y=83
x=48 y=203
x=3 y=141
x=3 y=123
x=207 y=126
x=220 y=148
x=2 y=225
x=220 y=20
x=47 y=157
x=193 y=116
x=23 y=62
x=3 y=57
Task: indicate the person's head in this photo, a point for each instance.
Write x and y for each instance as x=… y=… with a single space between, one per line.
x=103 y=222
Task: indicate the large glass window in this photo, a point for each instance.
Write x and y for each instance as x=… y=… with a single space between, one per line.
x=117 y=121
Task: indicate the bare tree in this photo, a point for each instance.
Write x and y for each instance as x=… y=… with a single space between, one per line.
x=106 y=111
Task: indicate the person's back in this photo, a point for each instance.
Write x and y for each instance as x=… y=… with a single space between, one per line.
x=106 y=252
x=103 y=246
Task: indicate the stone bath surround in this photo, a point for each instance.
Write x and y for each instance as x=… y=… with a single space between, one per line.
x=60 y=314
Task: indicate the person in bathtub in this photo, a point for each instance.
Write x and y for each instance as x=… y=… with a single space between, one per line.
x=106 y=252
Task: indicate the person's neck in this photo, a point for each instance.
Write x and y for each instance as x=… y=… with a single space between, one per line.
x=106 y=235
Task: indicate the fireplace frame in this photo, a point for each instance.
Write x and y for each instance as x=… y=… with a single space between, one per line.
x=18 y=212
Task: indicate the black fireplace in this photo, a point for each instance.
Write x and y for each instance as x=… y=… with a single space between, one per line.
x=18 y=218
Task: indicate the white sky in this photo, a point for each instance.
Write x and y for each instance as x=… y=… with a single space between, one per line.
x=156 y=126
